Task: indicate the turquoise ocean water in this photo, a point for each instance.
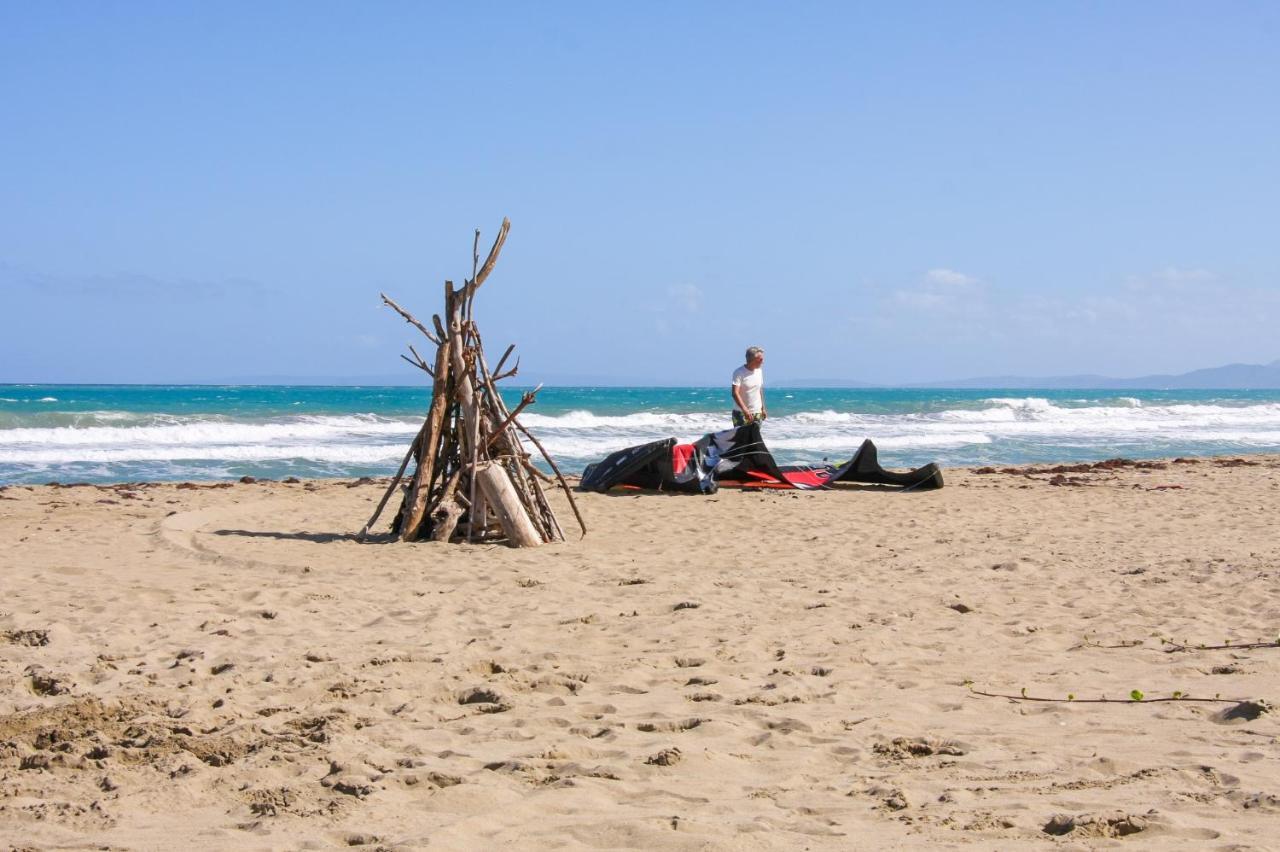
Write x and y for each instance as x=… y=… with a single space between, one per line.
x=109 y=433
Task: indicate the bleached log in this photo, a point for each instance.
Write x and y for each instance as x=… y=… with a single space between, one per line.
x=501 y=495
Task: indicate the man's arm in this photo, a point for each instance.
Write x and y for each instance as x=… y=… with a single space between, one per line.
x=742 y=405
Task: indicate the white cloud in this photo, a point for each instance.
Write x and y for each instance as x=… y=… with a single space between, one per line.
x=941 y=290
x=949 y=278
x=687 y=297
x=1174 y=278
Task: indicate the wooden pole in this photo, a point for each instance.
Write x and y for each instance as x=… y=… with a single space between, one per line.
x=417 y=499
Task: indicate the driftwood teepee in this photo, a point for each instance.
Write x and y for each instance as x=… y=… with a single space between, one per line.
x=473 y=480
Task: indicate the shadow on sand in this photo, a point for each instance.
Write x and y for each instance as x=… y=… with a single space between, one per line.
x=317 y=538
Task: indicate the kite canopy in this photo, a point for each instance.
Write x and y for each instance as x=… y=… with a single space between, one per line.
x=738 y=457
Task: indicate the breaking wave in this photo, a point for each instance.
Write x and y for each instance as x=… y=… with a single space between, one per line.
x=110 y=444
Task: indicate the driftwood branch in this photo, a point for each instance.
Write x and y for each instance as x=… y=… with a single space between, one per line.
x=568 y=492
x=532 y=469
x=480 y=276
x=420 y=365
x=417 y=498
x=395 y=480
x=509 y=373
x=473 y=475
x=503 y=359
x=525 y=402
x=409 y=318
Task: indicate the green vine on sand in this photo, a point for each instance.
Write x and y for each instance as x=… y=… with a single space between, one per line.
x=1171 y=647
x=1136 y=696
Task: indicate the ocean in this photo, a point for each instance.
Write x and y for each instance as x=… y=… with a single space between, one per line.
x=113 y=433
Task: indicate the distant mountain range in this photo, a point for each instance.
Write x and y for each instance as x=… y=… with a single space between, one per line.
x=1229 y=377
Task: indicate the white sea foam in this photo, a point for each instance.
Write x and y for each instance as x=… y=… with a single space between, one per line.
x=585 y=420
x=206 y=432
x=343 y=453
x=578 y=437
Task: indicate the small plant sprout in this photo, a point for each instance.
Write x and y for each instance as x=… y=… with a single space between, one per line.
x=1135 y=696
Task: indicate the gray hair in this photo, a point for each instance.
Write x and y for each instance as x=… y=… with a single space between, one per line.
x=753 y=351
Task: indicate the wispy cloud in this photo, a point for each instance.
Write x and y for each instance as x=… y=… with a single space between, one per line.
x=675 y=311
x=687 y=297
x=1174 y=278
x=949 y=278
x=126 y=286
x=941 y=290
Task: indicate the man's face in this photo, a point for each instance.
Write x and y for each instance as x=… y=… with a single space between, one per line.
x=756 y=362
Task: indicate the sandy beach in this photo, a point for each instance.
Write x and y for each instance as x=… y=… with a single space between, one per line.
x=223 y=666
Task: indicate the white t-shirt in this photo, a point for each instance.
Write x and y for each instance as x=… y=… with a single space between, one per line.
x=752 y=384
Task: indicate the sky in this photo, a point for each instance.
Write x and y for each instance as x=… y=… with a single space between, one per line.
x=890 y=192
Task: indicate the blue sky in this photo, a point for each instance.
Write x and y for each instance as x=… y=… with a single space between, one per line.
x=888 y=192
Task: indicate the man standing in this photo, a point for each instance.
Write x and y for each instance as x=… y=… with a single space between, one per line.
x=748 y=389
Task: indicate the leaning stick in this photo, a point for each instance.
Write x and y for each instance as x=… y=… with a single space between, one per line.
x=528 y=466
x=470 y=287
x=525 y=402
x=560 y=476
x=395 y=480
x=529 y=490
x=426 y=460
x=409 y=318
x=497 y=377
x=420 y=365
x=503 y=359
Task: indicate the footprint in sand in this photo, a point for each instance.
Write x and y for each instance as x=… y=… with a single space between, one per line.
x=1096 y=825
x=666 y=757
x=671 y=727
x=29 y=638
x=483 y=700
x=905 y=748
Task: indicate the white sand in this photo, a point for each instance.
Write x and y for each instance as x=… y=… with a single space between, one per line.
x=223 y=667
